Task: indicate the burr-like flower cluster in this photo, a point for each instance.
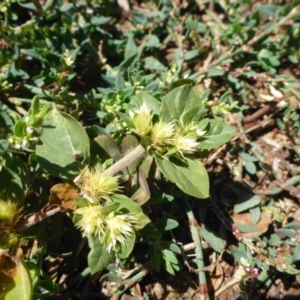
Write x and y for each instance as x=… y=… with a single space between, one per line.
x=174 y=136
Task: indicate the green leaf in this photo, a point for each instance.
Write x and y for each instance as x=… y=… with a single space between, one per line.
x=248 y=157
x=15 y=180
x=293 y=225
x=191 y=54
x=98 y=258
x=108 y=147
x=128 y=205
x=100 y=20
x=216 y=242
x=3 y=146
x=169 y=267
x=126 y=248
x=152 y=41
x=189 y=175
x=268 y=9
x=169 y=256
x=250 y=167
x=131 y=49
x=20 y=128
x=182 y=81
x=238 y=254
x=291 y=270
x=153 y=64
x=35 y=106
x=138 y=100
x=155 y=258
x=274 y=240
x=63 y=138
x=218 y=133
x=173 y=247
x=166 y=224
x=213 y=72
x=246 y=202
x=120 y=81
x=296 y=253
x=244 y=228
x=255 y=214
x=181 y=102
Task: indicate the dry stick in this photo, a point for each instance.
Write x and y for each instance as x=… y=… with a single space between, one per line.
x=203 y=291
x=124 y=162
x=36 y=218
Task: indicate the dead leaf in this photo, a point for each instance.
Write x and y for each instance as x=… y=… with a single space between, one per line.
x=262 y=225
x=217 y=277
x=63 y=194
x=8 y=269
x=15 y=282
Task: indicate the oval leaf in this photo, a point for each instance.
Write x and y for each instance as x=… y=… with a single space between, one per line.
x=246 y=202
x=218 y=133
x=189 y=175
x=180 y=101
x=63 y=138
x=98 y=258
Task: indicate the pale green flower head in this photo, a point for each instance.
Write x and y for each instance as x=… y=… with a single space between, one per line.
x=185 y=144
x=8 y=210
x=120 y=227
x=162 y=133
x=98 y=186
x=221 y=108
x=142 y=120
x=245 y=262
x=191 y=129
x=92 y=222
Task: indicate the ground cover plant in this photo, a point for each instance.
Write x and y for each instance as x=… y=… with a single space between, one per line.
x=149 y=150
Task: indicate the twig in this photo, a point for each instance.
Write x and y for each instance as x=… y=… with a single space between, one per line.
x=124 y=162
x=203 y=291
x=36 y=218
x=232 y=282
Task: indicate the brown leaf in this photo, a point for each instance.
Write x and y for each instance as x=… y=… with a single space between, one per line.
x=217 y=277
x=8 y=269
x=262 y=225
x=63 y=194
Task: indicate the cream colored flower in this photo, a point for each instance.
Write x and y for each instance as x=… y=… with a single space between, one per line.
x=185 y=144
x=9 y=213
x=162 y=133
x=244 y=262
x=191 y=130
x=242 y=271
x=142 y=120
x=93 y=221
x=120 y=228
x=96 y=185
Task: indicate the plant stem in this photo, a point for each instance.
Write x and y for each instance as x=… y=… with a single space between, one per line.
x=124 y=162
x=198 y=249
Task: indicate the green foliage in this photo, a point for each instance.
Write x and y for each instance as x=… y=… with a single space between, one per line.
x=143 y=104
x=63 y=147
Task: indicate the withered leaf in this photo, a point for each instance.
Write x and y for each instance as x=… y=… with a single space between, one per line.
x=261 y=226
x=63 y=195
